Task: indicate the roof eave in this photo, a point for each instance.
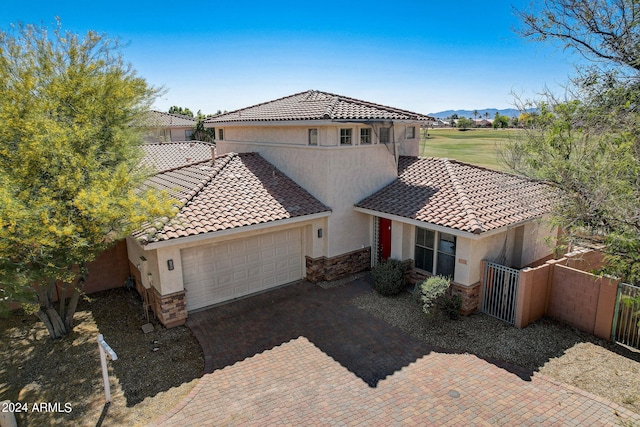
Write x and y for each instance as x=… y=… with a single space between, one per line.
x=476 y=234
x=231 y=231
x=307 y=122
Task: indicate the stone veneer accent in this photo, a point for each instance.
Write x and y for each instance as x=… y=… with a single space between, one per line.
x=325 y=269
x=470 y=296
x=171 y=309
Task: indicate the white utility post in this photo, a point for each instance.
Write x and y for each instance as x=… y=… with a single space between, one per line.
x=104 y=351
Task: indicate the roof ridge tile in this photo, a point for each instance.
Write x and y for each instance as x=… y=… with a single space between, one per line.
x=474 y=222
x=328 y=112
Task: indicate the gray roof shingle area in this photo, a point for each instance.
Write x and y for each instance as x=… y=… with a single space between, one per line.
x=170 y=155
x=157 y=119
x=237 y=190
x=316 y=105
x=459 y=195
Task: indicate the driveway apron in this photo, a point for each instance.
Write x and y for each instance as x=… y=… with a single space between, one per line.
x=304 y=355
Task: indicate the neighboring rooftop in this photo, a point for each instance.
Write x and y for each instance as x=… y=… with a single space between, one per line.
x=170 y=155
x=158 y=119
x=237 y=190
x=459 y=195
x=316 y=105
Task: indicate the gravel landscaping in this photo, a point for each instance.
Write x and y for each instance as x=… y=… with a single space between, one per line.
x=546 y=346
x=153 y=372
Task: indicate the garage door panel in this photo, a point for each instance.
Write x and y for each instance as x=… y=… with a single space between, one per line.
x=223 y=279
x=217 y=273
x=266 y=240
x=220 y=264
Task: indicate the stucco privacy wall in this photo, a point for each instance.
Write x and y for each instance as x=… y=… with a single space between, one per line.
x=109 y=270
x=337 y=176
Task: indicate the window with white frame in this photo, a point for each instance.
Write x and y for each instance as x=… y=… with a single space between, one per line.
x=411 y=132
x=345 y=136
x=313 y=136
x=220 y=134
x=435 y=252
x=385 y=135
x=365 y=136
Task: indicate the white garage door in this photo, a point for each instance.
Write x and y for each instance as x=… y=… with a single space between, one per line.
x=218 y=273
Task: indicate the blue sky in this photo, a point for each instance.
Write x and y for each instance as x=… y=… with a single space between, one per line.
x=227 y=55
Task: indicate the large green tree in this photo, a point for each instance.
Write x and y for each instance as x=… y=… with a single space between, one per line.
x=587 y=144
x=174 y=109
x=69 y=157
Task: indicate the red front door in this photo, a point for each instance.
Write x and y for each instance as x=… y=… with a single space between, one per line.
x=384 y=238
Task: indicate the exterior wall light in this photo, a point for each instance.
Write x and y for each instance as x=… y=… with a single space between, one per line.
x=319 y=233
x=170 y=264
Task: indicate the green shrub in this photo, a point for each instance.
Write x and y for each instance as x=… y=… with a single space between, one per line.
x=388 y=277
x=434 y=293
x=431 y=290
x=450 y=305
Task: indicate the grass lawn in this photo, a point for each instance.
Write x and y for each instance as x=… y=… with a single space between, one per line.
x=476 y=146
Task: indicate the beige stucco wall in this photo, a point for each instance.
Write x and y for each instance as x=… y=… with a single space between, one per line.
x=170 y=281
x=165 y=134
x=470 y=251
x=178 y=134
x=328 y=135
x=134 y=253
x=539 y=238
x=338 y=176
x=500 y=248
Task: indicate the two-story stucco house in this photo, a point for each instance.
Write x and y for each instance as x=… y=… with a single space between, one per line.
x=316 y=186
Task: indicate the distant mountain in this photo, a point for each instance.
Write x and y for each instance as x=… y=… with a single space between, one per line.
x=509 y=112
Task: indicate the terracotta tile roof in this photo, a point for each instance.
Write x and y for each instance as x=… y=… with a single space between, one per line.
x=157 y=119
x=236 y=191
x=170 y=155
x=316 y=105
x=459 y=195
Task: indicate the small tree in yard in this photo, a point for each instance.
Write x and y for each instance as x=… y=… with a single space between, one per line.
x=69 y=157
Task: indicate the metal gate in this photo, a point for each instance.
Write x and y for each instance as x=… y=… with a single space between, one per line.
x=626 y=320
x=500 y=292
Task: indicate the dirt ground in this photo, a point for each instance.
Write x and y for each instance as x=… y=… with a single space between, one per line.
x=153 y=372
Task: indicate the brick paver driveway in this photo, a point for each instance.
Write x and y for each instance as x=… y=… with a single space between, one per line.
x=303 y=355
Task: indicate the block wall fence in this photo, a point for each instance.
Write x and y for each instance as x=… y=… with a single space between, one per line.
x=562 y=289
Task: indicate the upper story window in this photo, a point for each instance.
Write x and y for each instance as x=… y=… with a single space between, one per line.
x=435 y=252
x=365 y=136
x=187 y=134
x=313 y=136
x=385 y=134
x=345 y=136
x=411 y=132
x=220 y=134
